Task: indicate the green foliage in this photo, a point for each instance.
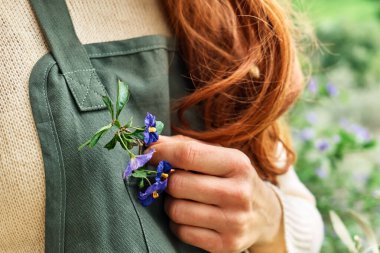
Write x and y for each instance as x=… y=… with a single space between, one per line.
x=336 y=156
x=355 y=243
x=122 y=97
x=127 y=136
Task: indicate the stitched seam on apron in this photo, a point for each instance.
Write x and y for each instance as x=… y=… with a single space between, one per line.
x=132 y=51
x=87 y=88
x=52 y=129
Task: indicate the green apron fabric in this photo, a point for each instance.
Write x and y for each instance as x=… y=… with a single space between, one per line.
x=89 y=208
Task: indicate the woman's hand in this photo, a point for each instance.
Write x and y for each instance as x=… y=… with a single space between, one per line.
x=216 y=200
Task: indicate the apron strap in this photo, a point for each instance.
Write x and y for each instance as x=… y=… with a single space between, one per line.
x=70 y=54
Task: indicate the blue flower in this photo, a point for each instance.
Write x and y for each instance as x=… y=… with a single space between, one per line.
x=152 y=192
x=150 y=133
x=163 y=170
x=137 y=162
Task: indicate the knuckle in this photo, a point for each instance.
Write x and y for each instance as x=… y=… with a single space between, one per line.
x=175 y=184
x=240 y=224
x=187 y=153
x=173 y=211
x=181 y=233
x=241 y=194
x=210 y=245
x=182 y=137
x=233 y=244
x=241 y=162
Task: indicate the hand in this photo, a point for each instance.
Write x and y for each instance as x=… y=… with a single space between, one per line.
x=216 y=200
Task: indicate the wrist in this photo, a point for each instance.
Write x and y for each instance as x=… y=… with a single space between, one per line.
x=272 y=237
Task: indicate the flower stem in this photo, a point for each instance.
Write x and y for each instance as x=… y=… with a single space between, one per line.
x=131 y=155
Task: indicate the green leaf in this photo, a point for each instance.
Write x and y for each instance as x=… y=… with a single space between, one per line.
x=117 y=123
x=84 y=144
x=121 y=141
x=370 y=144
x=159 y=127
x=109 y=105
x=112 y=143
x=139 y=174
x=122 y=97
x=138 y=134
x=141 y=184
x=129 y=123
x=94 y=140
x=341 y=230
x=368 y=231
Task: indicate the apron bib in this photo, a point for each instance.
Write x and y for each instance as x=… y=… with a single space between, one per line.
x=89 y=208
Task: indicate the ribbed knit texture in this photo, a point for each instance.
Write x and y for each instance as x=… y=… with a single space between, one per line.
x=22 y=182
x=303 y=224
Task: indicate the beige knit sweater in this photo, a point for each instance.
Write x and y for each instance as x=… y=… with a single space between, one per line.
x=22 y=182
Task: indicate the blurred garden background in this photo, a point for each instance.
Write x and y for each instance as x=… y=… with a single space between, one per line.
x=336 y=123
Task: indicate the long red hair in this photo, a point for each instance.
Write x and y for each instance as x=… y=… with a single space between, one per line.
x=240 y=56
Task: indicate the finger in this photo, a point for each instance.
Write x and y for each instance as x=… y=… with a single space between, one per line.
x=195 y=214
x=200 y=157
x=206 y=239
x=179 y=138
x=197 y=187
x=174 y=138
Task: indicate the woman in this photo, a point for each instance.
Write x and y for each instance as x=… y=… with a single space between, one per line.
x=237 y=189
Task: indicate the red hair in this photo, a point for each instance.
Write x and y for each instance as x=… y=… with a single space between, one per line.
x=240 y=57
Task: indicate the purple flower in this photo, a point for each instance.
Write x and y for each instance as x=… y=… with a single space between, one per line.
x=312 y=118
x=307 y=134
x=361 y=178
x=322 y=145
x=150 y=133
x=313 y=86
x=137 y=162
x=163 y=170
x=361 y=133
x=321 y=172
x=336 y=139
x=152 y=192
x=332 y=90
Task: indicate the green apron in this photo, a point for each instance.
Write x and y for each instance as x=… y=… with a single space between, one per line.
x=89 y=208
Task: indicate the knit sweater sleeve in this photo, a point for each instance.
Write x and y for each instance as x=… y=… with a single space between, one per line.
x=302 y=222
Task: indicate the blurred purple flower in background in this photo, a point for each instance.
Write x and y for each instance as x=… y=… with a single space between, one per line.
x=360 y=177
x=336 y=139
x=322 y=144
x=307 y=134
x=312 y=86
x=321 y=172
x=361 y=133
x=311 y=117
x=332 y=90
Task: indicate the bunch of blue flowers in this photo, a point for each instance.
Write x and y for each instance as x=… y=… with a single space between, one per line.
x=129 y=137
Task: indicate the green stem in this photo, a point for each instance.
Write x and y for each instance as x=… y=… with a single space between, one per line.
x=131 y=155
x=148 y=180
x=141 y=146
x=138 y=128
x=149 y=171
